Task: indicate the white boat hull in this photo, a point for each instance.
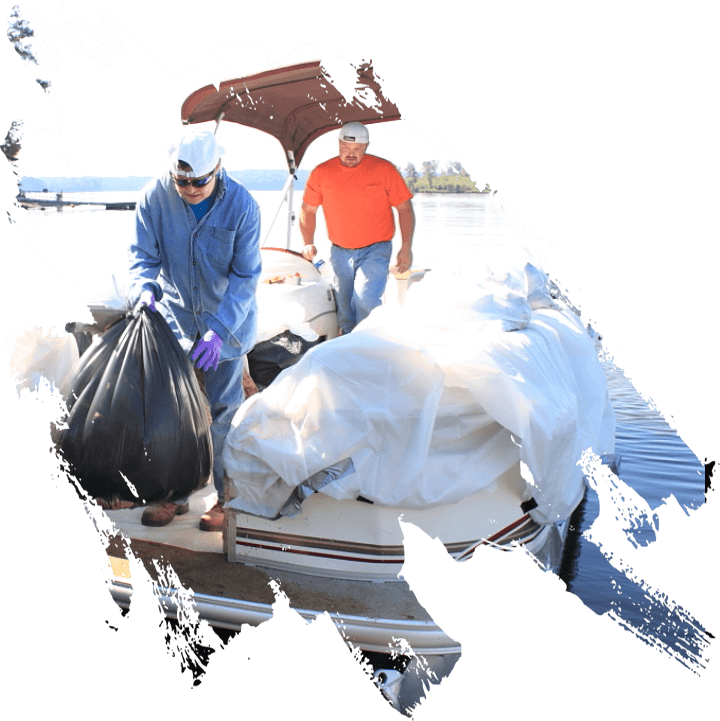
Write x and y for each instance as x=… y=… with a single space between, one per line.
x=356 y=540
x=292 y=292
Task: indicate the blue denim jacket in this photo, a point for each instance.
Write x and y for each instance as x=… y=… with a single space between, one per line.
x=204 y=273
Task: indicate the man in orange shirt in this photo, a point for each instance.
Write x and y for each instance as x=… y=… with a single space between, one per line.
x=358 y=192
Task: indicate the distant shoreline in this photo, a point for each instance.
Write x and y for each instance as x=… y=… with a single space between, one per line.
x=449 y=182
x=418 y=191
x=251 y=179
x=271 y=180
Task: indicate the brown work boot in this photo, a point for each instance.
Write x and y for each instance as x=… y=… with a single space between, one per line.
x=160 y=514
x=214 y=519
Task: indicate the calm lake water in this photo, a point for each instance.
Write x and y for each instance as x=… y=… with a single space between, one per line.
x=451 y=229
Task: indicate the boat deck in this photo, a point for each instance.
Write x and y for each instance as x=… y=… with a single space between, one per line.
x=371 y=614
x=211 y=574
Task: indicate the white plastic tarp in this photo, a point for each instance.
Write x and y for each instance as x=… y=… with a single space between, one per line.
x=39 y=354
x=432 y=401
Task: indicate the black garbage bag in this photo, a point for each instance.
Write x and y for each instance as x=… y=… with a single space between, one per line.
x=268 y=358
x=137 y=428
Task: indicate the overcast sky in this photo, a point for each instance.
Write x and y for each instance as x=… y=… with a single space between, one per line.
x=120 y=120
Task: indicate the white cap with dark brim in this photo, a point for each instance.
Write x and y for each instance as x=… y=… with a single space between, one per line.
x=200 y=150
x=354 y=133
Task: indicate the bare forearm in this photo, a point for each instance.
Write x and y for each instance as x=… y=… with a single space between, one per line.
x=406 y=220
x=308 y=223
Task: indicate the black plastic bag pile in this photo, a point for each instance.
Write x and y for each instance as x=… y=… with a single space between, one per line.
x=269 y=358
x=137 y=428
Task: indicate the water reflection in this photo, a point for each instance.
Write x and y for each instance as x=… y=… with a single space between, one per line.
x=656 y=463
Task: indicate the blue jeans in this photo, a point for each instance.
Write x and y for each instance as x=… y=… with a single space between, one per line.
x=361 y=276
x=225 y=392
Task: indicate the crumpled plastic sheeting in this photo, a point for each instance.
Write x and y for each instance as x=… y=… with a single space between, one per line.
x=315 y=483
x=117 y=296
x=33 y=356
x=432 y=401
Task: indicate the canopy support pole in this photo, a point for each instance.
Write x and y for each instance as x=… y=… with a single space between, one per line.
x=291 y=214
x=287 y=195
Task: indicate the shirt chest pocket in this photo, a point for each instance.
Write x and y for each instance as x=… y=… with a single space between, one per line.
x=374 y=194
x=219 y=246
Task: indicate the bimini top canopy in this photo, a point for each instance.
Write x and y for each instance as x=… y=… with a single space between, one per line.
x=295 y=104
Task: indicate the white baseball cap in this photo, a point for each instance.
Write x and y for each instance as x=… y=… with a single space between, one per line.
x=200 y=150
x=354 y=133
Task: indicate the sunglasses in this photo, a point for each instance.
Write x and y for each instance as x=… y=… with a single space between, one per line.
x=196 y=183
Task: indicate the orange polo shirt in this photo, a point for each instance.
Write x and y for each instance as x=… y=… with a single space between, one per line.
x=357 y=202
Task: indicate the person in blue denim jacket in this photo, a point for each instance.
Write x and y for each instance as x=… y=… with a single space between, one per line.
x=196 y=259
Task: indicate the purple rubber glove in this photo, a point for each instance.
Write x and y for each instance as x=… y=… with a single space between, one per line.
x=147 y=297
x=208 y=349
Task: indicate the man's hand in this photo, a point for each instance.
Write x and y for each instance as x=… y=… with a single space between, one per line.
x=309 y=252
x=208 y=350
x=147 y=297
x=403 y=261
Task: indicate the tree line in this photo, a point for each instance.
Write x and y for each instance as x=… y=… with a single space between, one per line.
x=453 y=178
